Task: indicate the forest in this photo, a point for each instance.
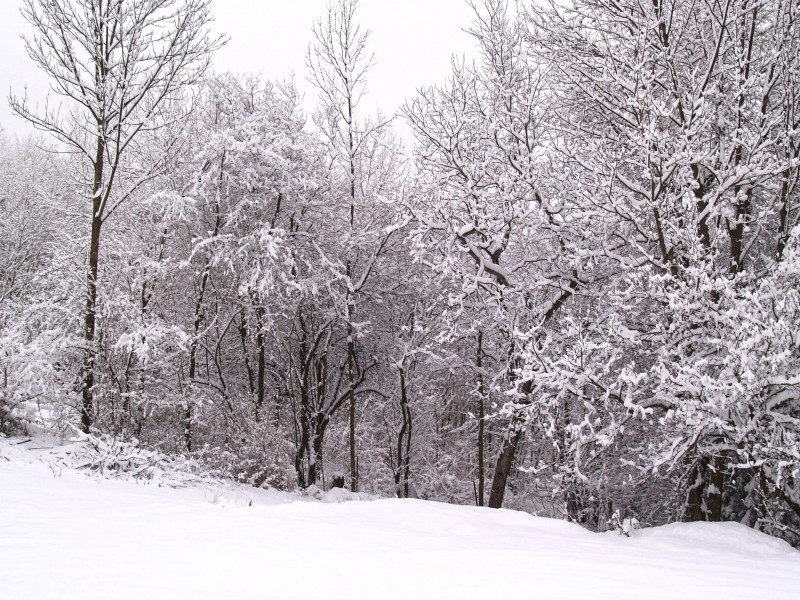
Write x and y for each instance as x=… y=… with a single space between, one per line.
x=577 y=294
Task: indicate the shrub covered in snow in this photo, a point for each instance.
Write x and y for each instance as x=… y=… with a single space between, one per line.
x=110 y=457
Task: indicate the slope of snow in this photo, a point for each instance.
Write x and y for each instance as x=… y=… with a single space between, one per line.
x=65 y=535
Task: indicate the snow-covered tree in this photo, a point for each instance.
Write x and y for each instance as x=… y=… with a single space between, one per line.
x=678 y=130
x=117 y=67
x=366 y=164
x=483 y=214
x=38 y=297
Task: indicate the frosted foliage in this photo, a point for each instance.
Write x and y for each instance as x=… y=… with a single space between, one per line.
x=680 y=146
x=612 y=192
x=578 y=294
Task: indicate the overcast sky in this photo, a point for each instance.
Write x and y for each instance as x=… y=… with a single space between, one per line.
x=413 y=41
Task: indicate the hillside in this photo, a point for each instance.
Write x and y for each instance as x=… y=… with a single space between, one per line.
x=66 y=534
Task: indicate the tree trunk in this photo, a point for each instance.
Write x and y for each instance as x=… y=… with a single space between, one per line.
x=260 y=343
x=715 y=489
x=512 y=439
x=705 y=495
x=305 y=435
x=304 y=447
x=90 y=323
x=481 y=422
x=516 y=432
x=351 y=348
x=693 y=508
x=783 y=220
x=351 y=357
x=315 y=461
x=403 y=471
x=251 y=386
x=198 y=319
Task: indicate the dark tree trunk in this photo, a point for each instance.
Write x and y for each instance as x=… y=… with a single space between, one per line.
x=315 y=465
x=783 y=220
x=351 y=360
x=705 y=493
x=305 y=404
x=198 y=320
x=351 y=348
x=251 y=385
x=90 y=322
x=481 y=422
x=693 y=509
x=505 y=461
x=403 y=470
x=305 y=436
x=715 y=489
x=512 y=439
x=260 y=343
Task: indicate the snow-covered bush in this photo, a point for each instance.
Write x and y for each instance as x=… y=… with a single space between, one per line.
x=110 y=457
x=256 y=453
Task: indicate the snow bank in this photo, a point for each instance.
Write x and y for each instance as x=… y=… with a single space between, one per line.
x=66 y=535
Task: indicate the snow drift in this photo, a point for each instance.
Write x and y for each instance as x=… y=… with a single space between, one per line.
x=66 y=534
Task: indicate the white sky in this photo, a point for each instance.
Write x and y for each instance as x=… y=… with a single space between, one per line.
x=413 y=41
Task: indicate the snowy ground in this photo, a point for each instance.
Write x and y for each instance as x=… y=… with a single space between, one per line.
x=65 y=535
